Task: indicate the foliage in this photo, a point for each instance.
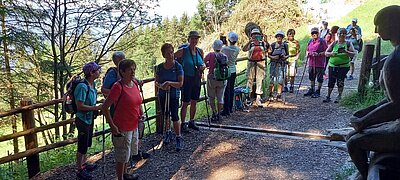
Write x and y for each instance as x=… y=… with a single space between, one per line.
x=356 y=101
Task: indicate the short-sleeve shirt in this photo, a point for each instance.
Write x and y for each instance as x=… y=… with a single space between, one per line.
x=87 y=95
x=171 y=74
x=341 y=59
x=293 y=48
x=110 y=78
x=127 y=110
x=314 y=46
x=209 y=60
x=348 y=28
x=190 y=61
x=232 y=53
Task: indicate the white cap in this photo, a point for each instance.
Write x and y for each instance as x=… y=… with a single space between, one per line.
x=280 y=32
x=217 y=45
x=255 y=31
x=354 y=20
x=233 y=37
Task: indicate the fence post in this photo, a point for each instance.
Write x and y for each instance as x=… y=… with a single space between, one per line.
x=376 y=71
x=366 y=64
x=159 y=119
x=28 y=122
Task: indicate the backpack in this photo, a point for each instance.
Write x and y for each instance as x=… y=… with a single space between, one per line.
x=257 y=52
x=180 y=60
x=69 y=101
x=221 y=70
x=282 y=50
x=239 y=96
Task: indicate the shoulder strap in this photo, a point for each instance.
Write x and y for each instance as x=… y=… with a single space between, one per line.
x=119 y=97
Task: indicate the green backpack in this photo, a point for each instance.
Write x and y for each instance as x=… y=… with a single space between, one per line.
x=221 y=70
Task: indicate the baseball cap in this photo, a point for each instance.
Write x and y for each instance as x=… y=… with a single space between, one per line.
x=90 y=67
x=354 y=20
x=217 y=45
x=314 y=29
x=324 y=22
x=280 y=32
x=233 y=37
x=255 y=31
x=194 y=34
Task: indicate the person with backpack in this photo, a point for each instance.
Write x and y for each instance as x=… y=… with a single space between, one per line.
x=357 y=44
x=294 y=53
x=329 y=38
x=193 y=67
x=340 y=53
x=353 y=24
x=324 y=30
x=218 y=73
x=257 y=49
x=85 y=98
x=169 y=79
x=125 y=95
x=232 y=52
x=278 y=53
x=315 y=61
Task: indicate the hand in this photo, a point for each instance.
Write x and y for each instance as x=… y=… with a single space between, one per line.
x=165 y=86
x=98 y=108
x=357 y=123
x=334 y=54
x=114 y=130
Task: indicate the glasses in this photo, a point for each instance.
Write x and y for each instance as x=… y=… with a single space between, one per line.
x=342 y=33
x=314 y=33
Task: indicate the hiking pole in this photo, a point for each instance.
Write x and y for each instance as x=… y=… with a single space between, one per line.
x=166 y=118
x=283 y=76
x=103 y=153
x=144 y=105
x=302 y=76
x=205 y=95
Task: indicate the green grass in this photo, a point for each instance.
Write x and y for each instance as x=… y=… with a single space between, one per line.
x=356 y=101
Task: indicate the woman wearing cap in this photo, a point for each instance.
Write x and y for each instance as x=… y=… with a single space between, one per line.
x=231 y=51
x=193 y=67
x=257 y=48
x=85 y=95
x=215 y=88
x=125 y=95
x=339 y=53
x=278 y=53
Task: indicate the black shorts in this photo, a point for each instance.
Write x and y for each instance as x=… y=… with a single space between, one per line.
x=316 y=73
x=173 y=107
x=85 y=134
x=337 y=75
x=191 y=89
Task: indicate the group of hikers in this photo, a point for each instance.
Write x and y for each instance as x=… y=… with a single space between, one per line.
x=180 y=76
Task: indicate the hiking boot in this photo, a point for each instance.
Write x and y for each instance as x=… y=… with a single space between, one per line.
x=350 y=77
x=131 y=176
x=291 y=89
x=214 y=117
x=219 y=117
x=279 y=97
x=309 y=93
x=167 y=137
x=83 y=174
x=184 y=127
x=285 y=89
x=144 y=155
x=225 y=113
x=193 y=125
x=89 y=167
x=328 y=99
x=271 y=98
x=337 y=100
x=179 y=143
x=317 y=94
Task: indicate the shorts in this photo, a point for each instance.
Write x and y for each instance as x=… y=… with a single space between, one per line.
x=318 y=74
x=173 y=107
x=85 y=134
x=292 y=67
x=216 y=89
x=276 y=72
x=125 y=145
x=191 y=89
x=337 y=75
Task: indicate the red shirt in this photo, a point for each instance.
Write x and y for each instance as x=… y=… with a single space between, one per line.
x=127 y=112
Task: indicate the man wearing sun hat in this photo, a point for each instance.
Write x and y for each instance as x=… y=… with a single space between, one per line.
x=353 y=24
x=324 y=29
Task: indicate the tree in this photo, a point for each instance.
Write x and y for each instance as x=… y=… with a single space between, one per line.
x=214 y=12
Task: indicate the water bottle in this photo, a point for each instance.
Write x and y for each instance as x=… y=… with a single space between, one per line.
x=68 y=100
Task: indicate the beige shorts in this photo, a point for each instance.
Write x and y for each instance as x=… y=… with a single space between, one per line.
x=126 y=145
x=215 y=89
x=292 y=68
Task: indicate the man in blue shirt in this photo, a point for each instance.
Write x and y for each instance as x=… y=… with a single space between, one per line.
x=354 y=25
x=112 y=73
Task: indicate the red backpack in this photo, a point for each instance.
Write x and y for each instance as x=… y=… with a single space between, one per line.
x=257 y=52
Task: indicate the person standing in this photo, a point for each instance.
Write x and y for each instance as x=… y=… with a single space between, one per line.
x=294 y=53
x=169 y=79
x=315 y=61
x=232 y=52
x=193 y=67
x=125 y=95
x=357 y=47
x=112 y=73
x=85 y=95
x=324 y=30
x=353 y=24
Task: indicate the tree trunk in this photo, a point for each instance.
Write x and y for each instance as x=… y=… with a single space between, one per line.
x=55 y=64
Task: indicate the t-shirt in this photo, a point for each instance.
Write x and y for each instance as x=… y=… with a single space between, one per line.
x=232 y=53
x=81 y=94
x=190 y=61
x=169 y=75
x=314 y=46
x=348 y=28
x=355 y=43
x=209 y=60
x=293 y=48
x=323 y=33
x=127 y=112
x=340 y=59
x=110 y=78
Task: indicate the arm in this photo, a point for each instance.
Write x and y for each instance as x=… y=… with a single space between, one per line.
x=201 y=63
x=329 y=51
x=175 y=84
x=81 y=96
x=179 y=53
x=246 y=47
x=105 y=91
x=350 y=52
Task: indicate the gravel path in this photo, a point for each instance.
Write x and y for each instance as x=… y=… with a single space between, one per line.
x=223 y=154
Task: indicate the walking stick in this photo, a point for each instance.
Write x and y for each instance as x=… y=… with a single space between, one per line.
x=103 y=153
x=301 y=79
x=283 y=72
x=146 y=113
x=205 y=95
x=166 y=124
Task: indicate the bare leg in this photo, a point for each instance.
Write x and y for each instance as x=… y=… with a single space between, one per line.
x=183 y=111
x=271 y=89
x=212 y=104
x=279 y=89
x=120 y=168
x=193 y=104
x=220 y=106
x=292 y=81
x=330 y=92
x=177 y=128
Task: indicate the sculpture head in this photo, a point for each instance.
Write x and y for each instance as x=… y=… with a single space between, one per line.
x=387 y=24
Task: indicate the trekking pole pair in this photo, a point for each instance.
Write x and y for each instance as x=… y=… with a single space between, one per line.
x=167 y=117
x=302 y=76
x=206 y=101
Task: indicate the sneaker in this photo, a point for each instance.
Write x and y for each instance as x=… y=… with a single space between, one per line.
x=279 y=97
x=247 y=101
x=317 y=94
x=291 y=89
x=328 y=99
x=271 y=98
x=193 y=125
x=285 y=89
x=83 y=174
x=136 y=157
x=219 y=117
x=131 y=176
x=309 y=93
x=214 y=117
x=89 y=167
x=184 y=127
x=337 y=99
x=350 y=77
x=145 y=155
x=167 y=137
x=179 y=143
x=258 y=102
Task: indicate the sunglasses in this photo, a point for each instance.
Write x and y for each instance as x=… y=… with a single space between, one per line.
x=314 y=33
